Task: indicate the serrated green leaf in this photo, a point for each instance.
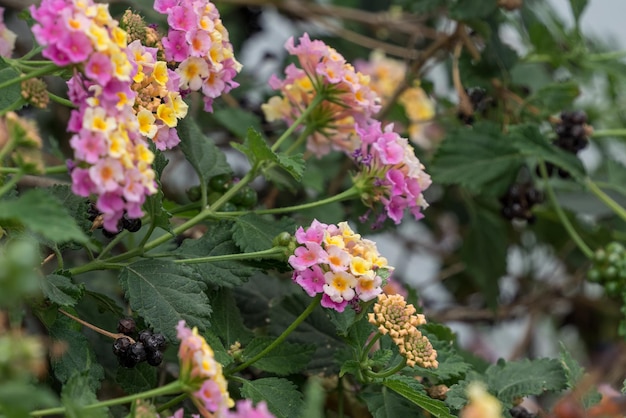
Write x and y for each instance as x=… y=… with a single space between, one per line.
x=226 y=321
x=531 y=143
x=61 y=290
x=237 y=120
x=316 y=329
x=43 y=214
x=573 y=375
x=578 y=7
x=217 y=241
x=554 y=97
x=484 y=253
x=285 y=359
x=479 y=9
x=381 y=357
x=342 y=320
x=255 y=148
x=77 y=394
x=140 y=378
x=282 y=397
x=78 y=357
x=293 y=164
x=414 y=392
x=18 y=399
x=201 y=152
x=105 y=303
x=349 y=366
x=163 y=293
x=75 y=205
x=386 y=403
x=255 y=233
x=481 y=159
x=11 y=94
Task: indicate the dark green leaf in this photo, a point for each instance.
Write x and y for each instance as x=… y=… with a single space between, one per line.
x=217 y=241
x=554 y=97
x=285 y=359
x=293 y=164
x=350 y=366
x=77 y=394
x=383 y=402
x=78 y=357
x=255 y=233
x=282 y=397
x=479 y=9
x=163 y=293
x=484 y=252
x=531 y=143
x=205 y=157
x=18 y=399
x=578 y=7
x=11 y=94
x=482 y=159
x=414 y=392
x=75 y=205
x=573 y=374
x=138 y=379
x=237 y=120
x=159 y=216
x=226 y=321
x=43 y=214
x=61 y=290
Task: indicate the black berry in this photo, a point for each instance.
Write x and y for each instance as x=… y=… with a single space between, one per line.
x=132 y=225
x=121 y=346
x=155 y=342
x=518 y=201
x=155 y=358
x=143 y=335
x=126 y=326
x=137 y=352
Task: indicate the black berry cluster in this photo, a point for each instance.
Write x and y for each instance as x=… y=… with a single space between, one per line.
x=244 y=199
x=520 y=412
x=609 y=268
x=131 y=225
x=148 y=346
x=571 y=137
x=518 y=201
x=480 y=101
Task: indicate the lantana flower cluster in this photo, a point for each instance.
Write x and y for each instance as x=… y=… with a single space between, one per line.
x=198 y=41
x=393 y=316
x=113 y=158
x=389 y=173
x=7 y=37
x=335 y=261
x=386 y=75
x=349 y=98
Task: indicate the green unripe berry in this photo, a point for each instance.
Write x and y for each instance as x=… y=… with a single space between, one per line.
x=213 y=197
x=615 y=247
x=282 y=240
x=611 y=272
x=246 y=197
x=229 y=207
x=600 y=255
x=613 y=288
x=221 y=182
x=194 y=193
x=594 y=275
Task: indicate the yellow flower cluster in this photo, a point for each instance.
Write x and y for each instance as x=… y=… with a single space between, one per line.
x=393 y=316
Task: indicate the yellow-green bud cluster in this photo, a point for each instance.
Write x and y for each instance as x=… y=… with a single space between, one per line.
x=35 y=92
x=134 y=26
x=393 y=316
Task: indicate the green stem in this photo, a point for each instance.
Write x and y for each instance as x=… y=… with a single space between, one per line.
x=319 y=98
x=172 y=402
x=369 y=346
x=564 y=220
x=48 y=69
x=612 y=204
x=388 y=372
x=56 y=169
x=603 y=133
x=6 y=150
x=169 y=389
x=270 y=253
x=62 y=100
x=9 y=184
x=314 y=303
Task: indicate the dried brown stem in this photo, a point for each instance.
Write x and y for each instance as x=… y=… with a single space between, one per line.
x=115 y=336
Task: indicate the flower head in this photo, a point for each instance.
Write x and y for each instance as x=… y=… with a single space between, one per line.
x=245 y=409
x=349 y=100
x=335 y=261
x=7 y=37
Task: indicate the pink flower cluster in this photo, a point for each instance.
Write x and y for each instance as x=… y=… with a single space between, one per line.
x=114 y=161
x=199 y=42
x=390 y=173
x=199 y=369
x=245 y=409
x=348 y=96
x=335 y=261
x=7 y=37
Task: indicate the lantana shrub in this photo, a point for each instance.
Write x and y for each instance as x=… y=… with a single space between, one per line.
x=287 y=288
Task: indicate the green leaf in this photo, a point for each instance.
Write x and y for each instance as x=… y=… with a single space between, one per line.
x=383 y=402
x=477 y=9
x=11 y=94
x=350 y=366
x=555 y=97
x=217 y=241
x=293 y=164
x=237 y=120
x=204 y=156
x=316 y=329
x=282 y=397
x=78 y=357
x=255 y=233
x=484 y=252
x=77 y=394
x=285 y=359
x=18 y=399
x=573 y=374
x=226 y=321
x=138 y=379
x=531 y=143
x=221 y=354
x=61 y=290
x=75 y=205
x=578 y=7
x=159 y=216
x=481 y=159
x=414 y=392
x=314 y=399
x=163 y=293
x=43 y=214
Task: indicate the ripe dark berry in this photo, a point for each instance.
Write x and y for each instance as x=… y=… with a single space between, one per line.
x=155 y=342
x=155 y=358
x=143 y=335
x=126 y=326
x=121 y=346
x=520 y=412
x=131 y=225
x=127 y=361
x=109 y=234
x=518 y=201
x=137 y=352
x=92 y=212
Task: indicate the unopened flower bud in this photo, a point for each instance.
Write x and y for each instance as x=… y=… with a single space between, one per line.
x=35 y=92
x=134 y=26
